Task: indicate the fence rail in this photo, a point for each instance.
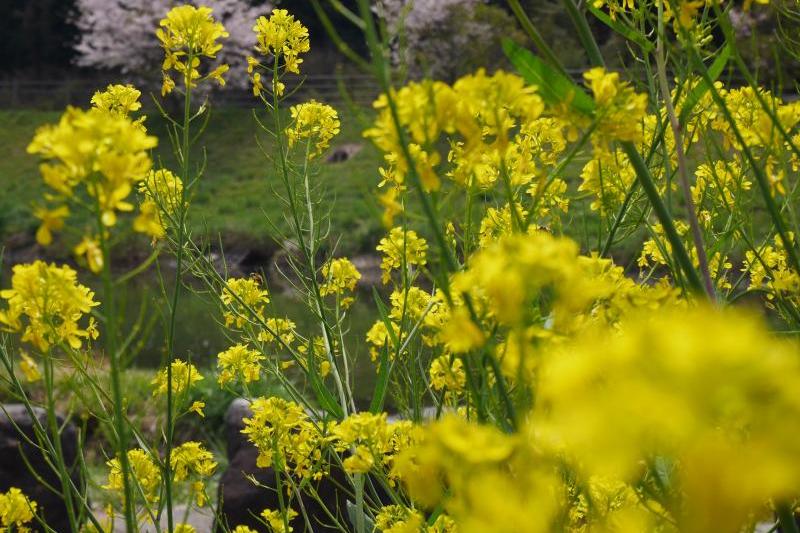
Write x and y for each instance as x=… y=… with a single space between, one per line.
x=56 y=94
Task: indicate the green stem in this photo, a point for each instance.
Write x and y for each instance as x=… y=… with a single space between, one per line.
x=584 y=33
x=182 y=208
x=55 y=437
x=758 y=170
x=683 y=171
x=650 y=189
x=120 y=426
x=383 y=76
x=538 y=41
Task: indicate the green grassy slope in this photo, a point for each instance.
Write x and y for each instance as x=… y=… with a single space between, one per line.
x=236 y=191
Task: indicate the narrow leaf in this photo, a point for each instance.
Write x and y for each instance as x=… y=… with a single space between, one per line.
x=629 y=33
x=379 y=395
x=325 y=398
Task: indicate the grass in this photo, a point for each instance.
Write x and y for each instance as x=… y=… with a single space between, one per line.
x=236 y=192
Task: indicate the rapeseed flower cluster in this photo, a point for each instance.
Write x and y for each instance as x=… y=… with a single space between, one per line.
x=283 y=38
x=162 y=197
x=17 y=511
x=118 y=99
x=187 y=34
x=192 y=462
x=315 y=122
x=46 y=304
x=143 y=469
x=103 y=151
x=239 y=363
x=286 y=438
x=184 y=376
x=245 y=301
x=340 y=278
x=401 y=250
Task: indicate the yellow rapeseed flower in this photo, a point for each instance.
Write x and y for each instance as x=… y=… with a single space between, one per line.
x=239 y=362
x=243 y=297
x=162 y=195
x=184 y=376
x=191 y=461
x=317 y=123
x=118 y=99
x=29 y=368
x=16 y=511
x=620 y=111
x=274 y=519
x=401 y=249
x=187 y=34
x=144 y=471
x=46 y=303
x=341 y=277
x=283 y=37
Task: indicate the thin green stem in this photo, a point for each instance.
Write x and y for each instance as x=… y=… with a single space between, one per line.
x=758 y=170
x=120 y=425
x=538 y=41
x=650 y=189
x=181 y=235
x=55 y=437
x=683 y=171
x=584 y=33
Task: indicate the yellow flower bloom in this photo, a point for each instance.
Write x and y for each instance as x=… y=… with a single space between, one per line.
x=105 y=152
x=619 y=111
x=446 y=375
x=275 y=520
x=399 y=519
x=401 y=249
x=16 y=511
x=118 y=99
x=184 y=376
x=52 y=220
x=144 y=471
x=187 y=34
x=197 y=407
x=29 y=368
x=162 y=197
x=239 y=362
x=285 y=438
x=277 y=329
x=340 y=276
x=46 y=303
x=243 y=297
x=282 y=36
x=90 y=254
x=316 y=122
x=191 y=461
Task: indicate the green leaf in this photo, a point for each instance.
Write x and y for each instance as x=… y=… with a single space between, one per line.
x=325 y=398
x=629 y=33
x=702 y=87
x=554 y=87
x=379 y=395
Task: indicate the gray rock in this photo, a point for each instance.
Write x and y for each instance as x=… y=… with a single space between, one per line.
x=240 y=500
x=18 y=454
x=343 y=152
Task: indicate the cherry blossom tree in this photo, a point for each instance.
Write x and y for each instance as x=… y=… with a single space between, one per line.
x=443 y=38
x=119 y=35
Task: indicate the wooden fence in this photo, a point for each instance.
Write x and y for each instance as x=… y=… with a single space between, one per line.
x=57 y=94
